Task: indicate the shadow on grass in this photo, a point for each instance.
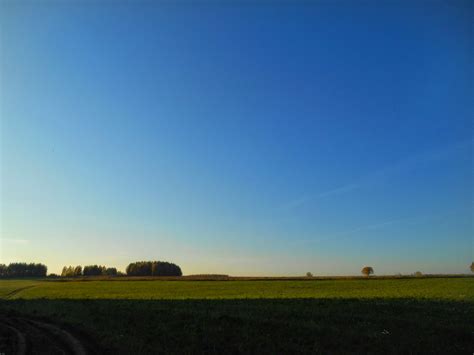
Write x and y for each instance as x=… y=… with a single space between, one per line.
x=273 y=326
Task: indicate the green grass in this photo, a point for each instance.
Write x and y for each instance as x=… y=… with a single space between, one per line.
x=331 y=316
x=446 y=289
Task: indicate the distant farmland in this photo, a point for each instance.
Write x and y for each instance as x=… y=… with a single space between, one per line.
x=434 y=315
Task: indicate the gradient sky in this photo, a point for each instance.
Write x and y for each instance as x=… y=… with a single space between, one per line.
x=269 y=138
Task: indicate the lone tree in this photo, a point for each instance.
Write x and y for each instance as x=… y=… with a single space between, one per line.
x=367 y=270
x=472 y=267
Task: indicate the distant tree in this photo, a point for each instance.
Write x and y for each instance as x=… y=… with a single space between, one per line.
x=71 y=271
x=163 y=268
x=111 y=271
x=78 y=270
x=367 y=270
x=418 y=274
x=472 y=267
x=93 y=270
x=23 y=270
x=153 y=268
x=3 y=270
x=140 y=268
x=308 y=274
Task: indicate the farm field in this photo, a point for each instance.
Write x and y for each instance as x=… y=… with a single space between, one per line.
x=432 y=315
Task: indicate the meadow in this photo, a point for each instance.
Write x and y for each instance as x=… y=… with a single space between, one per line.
x=414 y=315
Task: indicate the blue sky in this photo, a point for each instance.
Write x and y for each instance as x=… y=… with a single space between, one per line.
x=269 y=138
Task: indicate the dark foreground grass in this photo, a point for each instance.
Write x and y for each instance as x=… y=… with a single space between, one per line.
x=374 y=317
x=276 y=326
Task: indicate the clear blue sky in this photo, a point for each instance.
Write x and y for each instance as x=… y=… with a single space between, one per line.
x=269 y=139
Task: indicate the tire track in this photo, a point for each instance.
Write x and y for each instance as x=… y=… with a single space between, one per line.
x=24 y=336
x=16 y=291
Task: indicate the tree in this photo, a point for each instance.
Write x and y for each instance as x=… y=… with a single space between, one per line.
x=3 y=270
x=78 y=270
x=71 y=271
x=153 y=268
x=23 y=270
x=472 y=267
x=111 y=271
x=418 y=274
x=92 y=270
x=367 y=270
x=308 y=274
x=163 y=268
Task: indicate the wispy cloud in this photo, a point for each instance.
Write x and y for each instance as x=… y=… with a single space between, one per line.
x=405 y=164
x=420 y=219
x=306 y=198
x=339 y=190
x=374 y=226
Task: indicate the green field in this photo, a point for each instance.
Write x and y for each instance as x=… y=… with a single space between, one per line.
x=432 y=315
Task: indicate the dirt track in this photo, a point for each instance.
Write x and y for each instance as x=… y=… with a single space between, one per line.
x=19 y=335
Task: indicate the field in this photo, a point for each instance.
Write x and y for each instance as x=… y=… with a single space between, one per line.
x=425 y=315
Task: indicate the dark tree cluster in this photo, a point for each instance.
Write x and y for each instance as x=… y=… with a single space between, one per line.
x=153 y=268
x=89 y=270
x=23 y=270
x=94 y=270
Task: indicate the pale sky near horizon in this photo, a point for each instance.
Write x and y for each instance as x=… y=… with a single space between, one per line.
x=242 y=138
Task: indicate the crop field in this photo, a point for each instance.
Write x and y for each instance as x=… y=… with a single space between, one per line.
x=425 y=315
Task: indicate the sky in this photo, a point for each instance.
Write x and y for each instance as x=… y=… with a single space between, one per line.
x=242 y=138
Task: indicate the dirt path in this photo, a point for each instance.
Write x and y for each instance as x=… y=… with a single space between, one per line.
x=20 y=335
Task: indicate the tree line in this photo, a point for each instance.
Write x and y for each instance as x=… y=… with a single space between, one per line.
x=23 y=270
x=139 y=268
x=153 y=268
x=89 y=270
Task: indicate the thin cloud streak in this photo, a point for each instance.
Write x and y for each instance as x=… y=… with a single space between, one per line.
x=380 y=225
x=366 y=228
x=401 y=165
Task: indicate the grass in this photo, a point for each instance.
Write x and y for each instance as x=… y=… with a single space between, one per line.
x=447 y=289
x=433 y=315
